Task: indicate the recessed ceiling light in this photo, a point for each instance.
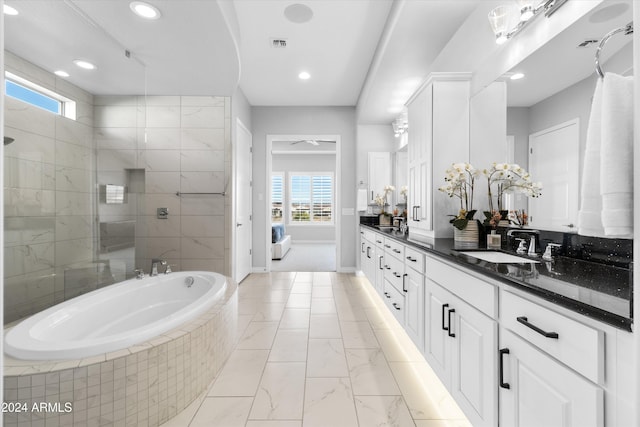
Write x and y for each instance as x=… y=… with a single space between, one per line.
x=298 y=13
x=61 y=73
x=84 y=64
x=517 y=76
x=144 y=10
x=304 y=76
x=8 y=10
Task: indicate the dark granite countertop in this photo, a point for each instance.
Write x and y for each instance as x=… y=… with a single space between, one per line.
x=599 y=291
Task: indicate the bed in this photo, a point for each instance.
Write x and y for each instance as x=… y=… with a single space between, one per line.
x=280 y=241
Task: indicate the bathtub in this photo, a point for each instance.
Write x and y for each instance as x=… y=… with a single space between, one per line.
x=115 y=317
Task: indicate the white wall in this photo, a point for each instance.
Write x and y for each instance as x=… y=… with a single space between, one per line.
x=305 y=121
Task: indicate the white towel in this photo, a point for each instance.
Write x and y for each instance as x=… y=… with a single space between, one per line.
x=616 y=156
x=361 y=202
x=590 y=213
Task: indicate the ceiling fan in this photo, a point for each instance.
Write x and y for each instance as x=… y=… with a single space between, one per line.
x=315 y=142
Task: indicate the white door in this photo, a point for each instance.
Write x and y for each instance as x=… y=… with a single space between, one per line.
x=538 y=391
x=554 y=161
x=414 y=306
x=243 y=210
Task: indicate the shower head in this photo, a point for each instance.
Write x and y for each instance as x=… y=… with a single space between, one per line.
x=8 y=140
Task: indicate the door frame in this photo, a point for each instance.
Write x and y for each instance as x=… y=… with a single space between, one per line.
x=338 y=179
x=234 y=203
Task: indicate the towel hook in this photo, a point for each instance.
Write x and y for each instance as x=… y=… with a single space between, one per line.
x=628 y=29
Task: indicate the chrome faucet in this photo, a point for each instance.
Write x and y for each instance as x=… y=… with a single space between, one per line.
x=531 y=251
x=154 y=266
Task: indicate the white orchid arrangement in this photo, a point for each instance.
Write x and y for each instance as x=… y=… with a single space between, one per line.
x=404 y=192
x=460 y=181
x=509 y=178
x=381 y=200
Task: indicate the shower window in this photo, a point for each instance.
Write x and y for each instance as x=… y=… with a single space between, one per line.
x=31 y=93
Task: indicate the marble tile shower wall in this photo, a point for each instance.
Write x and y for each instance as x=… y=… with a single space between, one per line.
x=48 y=198
x=181 y=143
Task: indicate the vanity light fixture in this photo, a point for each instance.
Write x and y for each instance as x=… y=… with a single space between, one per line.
x=84 y=64
x=8 y=10
x=61 y=73
x=304 y=76
x=502 y=18
x=145 y=10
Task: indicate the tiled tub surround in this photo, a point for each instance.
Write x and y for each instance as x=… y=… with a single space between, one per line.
x=145 y=384
x=594 y=289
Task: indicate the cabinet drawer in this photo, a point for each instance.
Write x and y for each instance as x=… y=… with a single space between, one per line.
x=394 y=271
x=579 y=346
x=394 y=248
x=394 y=301
x=478 y=293
x=370 y=235
x=414 y=259
x=378 y=241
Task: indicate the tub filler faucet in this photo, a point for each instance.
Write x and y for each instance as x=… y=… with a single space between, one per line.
x=154 y=266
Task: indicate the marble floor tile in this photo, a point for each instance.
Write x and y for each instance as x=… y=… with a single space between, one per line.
x=290 y=345
x=274 y=423
x=443 y=423
x=258 y=335
x=324 y=326
x=304 y=276
x=241 y=374
x=322 y=292
x=301 y=288
x=323 y=306
x=370 y=373
x=358 y=335
x=184 y=418
x=397 y=346
x=267 y=312
x=281 y=392
x=276 y=295
x=295 y=318
x=223 y=411
x=424 y=393
x=299 y=301
x=380 y=319
x=383 y=411
x=326 y=358
x=243 y=322
x=329 y=402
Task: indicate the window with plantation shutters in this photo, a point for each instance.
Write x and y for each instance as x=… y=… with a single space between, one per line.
x=311 y=198
x=277 y=197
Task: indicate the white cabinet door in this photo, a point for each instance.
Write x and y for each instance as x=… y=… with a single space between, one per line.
x=536 y=390
x=368 y=260
x=460 y=346
x=379 y=282
x=379 y=174
x=474 y=382
x=414 y=306
x=437 y=350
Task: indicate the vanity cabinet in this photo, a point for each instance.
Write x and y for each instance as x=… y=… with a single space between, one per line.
x=367 y=255
x=438 y=116
x=413 y=280
x=536 y=390
x=461 y=343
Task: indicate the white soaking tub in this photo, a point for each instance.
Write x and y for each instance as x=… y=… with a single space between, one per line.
x=115 y=317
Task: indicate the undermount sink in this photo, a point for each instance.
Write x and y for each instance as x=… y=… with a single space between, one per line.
x=498 y=257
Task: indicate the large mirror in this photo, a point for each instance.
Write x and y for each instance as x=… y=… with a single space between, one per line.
x=102 y=189
x=548 y=110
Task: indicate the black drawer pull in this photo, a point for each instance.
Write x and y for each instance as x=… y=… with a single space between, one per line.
x=368 y=249
x=451 y=334
x=363 y=248
x=412 y=259
x=380 y=262
x=525 y=322
x=444 y=307
x=387 y=267
x=396 y=251
x=404 y=287
x=387 y=246
x=378 y=241
x=396 y=275
x=503 y=351
x=386 y=294
x=395 y=306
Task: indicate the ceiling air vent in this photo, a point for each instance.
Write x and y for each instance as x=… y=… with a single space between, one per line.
x=278 y=43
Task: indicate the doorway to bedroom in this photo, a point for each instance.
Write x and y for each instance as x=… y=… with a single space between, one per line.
x=303 y=185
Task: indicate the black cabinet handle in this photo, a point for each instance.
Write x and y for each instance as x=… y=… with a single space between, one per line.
x=387 y=246
x=386 y=294
x=387 y=267
x=395 y=306
x=378 y=241
x=368 y=249
x=415 y=215
x=404 y=287
x=362 y=248
x=412 y=259
x=444 y=307
x=396 y=275
x=525 y=322
x=503 y=351
x=380 y=262
x=451 y=334
x=397 y=251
